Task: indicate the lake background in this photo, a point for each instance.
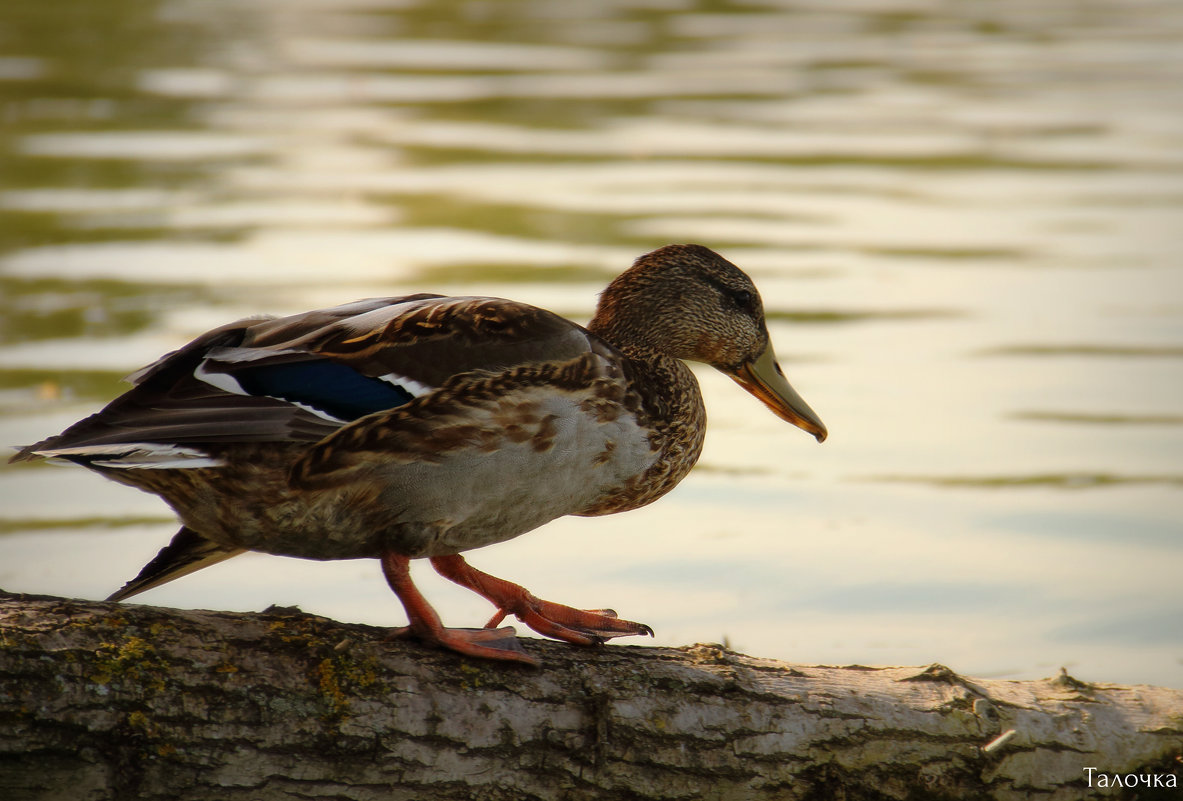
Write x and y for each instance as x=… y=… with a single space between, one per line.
x=965 y=218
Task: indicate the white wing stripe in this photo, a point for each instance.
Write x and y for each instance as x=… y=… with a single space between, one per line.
x=414 y=388
x=138 y=455
x=222 y=381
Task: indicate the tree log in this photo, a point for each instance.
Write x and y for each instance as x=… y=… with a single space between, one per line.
x=107 y=701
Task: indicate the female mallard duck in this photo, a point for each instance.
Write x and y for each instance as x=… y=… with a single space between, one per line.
x=424 y=426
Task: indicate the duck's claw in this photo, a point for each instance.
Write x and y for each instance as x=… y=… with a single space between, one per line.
x=548 y=619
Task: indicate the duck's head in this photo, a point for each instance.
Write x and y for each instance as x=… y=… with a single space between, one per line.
x=688 y=302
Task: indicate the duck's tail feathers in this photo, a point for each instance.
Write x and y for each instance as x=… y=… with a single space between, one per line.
x=187 y=553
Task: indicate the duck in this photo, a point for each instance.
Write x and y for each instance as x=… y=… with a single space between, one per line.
x=425 y=426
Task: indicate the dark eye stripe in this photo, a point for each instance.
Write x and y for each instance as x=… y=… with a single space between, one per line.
x=743 y=299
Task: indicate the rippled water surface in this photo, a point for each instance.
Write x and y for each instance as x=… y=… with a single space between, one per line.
x=966 y=220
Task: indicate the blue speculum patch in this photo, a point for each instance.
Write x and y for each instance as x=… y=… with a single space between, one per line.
x=332 y=388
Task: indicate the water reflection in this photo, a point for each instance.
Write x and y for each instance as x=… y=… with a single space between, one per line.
x=962 y=217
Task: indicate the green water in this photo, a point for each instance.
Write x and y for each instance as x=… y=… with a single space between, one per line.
x=964 y=218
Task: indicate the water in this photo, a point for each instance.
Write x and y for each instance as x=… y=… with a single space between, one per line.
x=963 y=217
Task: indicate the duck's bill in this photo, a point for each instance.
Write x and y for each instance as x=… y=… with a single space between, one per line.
x=763 y=378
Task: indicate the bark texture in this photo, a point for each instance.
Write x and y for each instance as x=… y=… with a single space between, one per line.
x=106 y=701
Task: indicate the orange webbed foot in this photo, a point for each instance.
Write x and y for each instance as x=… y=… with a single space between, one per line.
x=487 y=643
x=581 y=627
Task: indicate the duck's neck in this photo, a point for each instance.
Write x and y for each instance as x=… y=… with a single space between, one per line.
x=623 y=340
x=626 y=323
x=665 y=382
x=668 y=403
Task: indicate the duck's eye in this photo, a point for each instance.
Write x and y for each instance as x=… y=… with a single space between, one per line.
x=743 y=299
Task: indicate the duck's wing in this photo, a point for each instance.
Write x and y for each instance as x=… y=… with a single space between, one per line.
x=301 y=378
x=187 y=553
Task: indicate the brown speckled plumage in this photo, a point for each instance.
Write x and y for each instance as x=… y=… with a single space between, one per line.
x=424 y=426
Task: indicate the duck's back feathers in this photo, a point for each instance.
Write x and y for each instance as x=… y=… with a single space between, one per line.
x=301 y=378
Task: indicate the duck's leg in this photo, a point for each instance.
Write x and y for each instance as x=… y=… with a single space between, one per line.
x=549 y=619
x=425 y=624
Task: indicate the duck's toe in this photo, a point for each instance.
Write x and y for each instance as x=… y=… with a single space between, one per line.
x=488 y=643
x=579 y=626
